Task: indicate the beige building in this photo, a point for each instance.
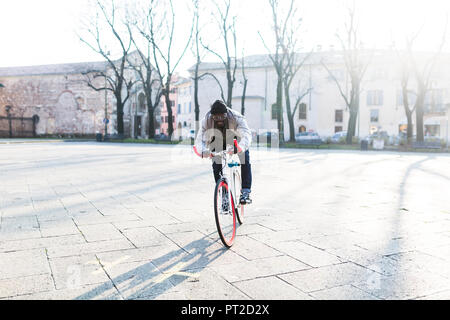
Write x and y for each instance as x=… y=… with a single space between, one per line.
x=58 y=96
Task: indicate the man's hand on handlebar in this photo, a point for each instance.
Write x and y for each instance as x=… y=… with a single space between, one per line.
x=206 y=154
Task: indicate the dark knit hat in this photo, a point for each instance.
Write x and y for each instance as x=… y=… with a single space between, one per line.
x=218 y=107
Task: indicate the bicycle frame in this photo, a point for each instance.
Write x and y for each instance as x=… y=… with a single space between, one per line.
x=230 y=164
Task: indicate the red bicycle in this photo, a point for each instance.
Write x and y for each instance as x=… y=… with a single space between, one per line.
x=227 y=208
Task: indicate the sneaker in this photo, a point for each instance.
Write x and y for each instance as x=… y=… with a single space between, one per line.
x=245 y=198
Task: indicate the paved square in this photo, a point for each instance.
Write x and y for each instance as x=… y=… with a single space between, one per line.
x=127 y=221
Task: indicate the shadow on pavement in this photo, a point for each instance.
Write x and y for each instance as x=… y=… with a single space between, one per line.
x=160 y=275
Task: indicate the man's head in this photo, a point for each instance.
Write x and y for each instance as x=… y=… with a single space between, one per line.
x=219 y=113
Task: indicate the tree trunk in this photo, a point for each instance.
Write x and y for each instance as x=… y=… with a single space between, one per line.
x=419 y=123
x=409 y=125
x=289 y=114
x=351 y=126
x=119 y=112
x=280 y=123
x=230 y=90
x=419 y=107
x=244 y=91
x=151 y=119
x=196 y=104
x=170 y=113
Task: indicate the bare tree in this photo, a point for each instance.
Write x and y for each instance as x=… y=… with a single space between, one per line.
x=228 y=30
x=155 y=28
x=356 y=63
x=148 y=78
x=115 y=79
x=422 y=75
x=292 y=67
x=198 y=56
x=280 y=28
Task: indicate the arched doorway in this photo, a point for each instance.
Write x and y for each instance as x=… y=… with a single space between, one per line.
x=141 y=102
x=302 y=129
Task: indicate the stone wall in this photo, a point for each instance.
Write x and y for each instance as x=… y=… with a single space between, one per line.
x=64 y=103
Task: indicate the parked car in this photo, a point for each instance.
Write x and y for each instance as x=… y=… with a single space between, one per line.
x=162 y=137
x=338 y=136
x=267 y=136
x=379 y=135
x=308 y=138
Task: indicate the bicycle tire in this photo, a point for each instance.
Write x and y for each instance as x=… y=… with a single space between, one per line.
x=238 y=188
x=226 y=226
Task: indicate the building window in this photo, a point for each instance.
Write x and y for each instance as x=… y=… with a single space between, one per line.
x=167 y=119
x=411 y=98
x=434 y=101
x=274 y=112
x=337 y=129
x=375 y=98
x=374 y=115
x=172 y=103
x=189 y=107
x=337 y=74
x=338 y=116
x=179 y=109
x=302 y=111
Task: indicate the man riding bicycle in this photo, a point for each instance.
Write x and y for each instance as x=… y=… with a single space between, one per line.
x=220 y=126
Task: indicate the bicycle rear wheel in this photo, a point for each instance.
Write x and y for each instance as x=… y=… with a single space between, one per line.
x=225 y=219
x=237 y=191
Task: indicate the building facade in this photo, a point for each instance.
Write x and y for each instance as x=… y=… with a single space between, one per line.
x=322 y=108
x=64 y=105
x=58 y=96
x=184 y=107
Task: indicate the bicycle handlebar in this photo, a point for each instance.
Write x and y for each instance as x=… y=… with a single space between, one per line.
x=237 y=149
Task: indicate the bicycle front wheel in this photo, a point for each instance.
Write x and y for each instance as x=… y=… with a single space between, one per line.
x=225 y=213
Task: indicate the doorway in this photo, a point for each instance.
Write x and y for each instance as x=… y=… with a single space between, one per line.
x=137 y=126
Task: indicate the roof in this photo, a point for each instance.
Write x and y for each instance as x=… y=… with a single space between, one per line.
x=316 y=57
x=66 y=68
x=264 y=60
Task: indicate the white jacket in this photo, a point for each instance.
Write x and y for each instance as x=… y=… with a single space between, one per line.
x=237 y=127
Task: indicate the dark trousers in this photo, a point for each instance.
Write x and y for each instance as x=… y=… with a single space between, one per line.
x=246 y=169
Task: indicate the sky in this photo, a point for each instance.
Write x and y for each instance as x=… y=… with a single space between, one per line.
x=44 y=32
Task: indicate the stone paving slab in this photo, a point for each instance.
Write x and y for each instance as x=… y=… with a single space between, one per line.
x=85 y=248
x=312 y=256
x=44 y=243
x=9 y=288
x=23 y=263
x=105 y=291
x=76 y=271
x=346 y=292
x=329 y=276
x=133 y=222
x=269 y=287
x=259 y=268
